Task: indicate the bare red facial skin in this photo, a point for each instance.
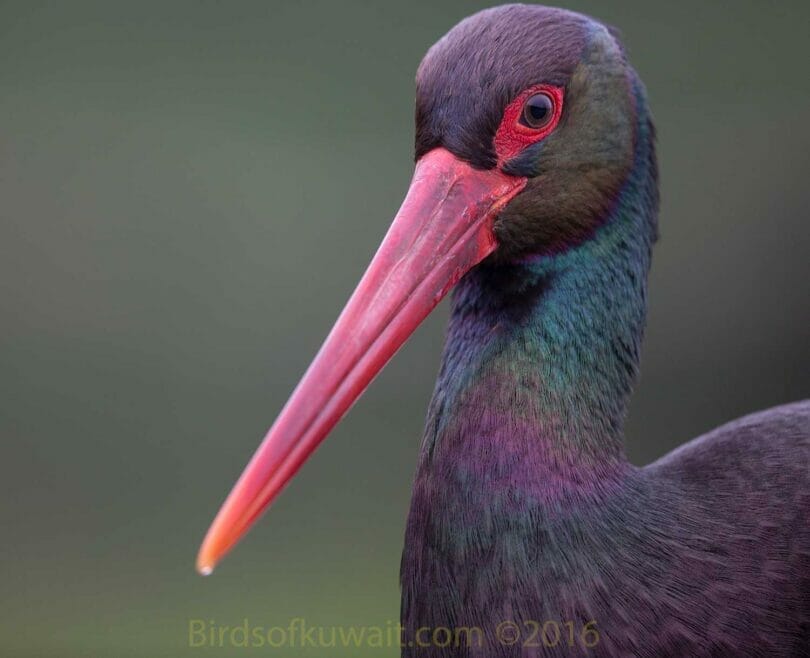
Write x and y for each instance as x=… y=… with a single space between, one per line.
x=513 y=136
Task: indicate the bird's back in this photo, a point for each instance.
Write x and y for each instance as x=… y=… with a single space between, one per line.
x=738 y=502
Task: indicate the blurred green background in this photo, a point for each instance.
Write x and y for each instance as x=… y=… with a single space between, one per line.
x=188 y=193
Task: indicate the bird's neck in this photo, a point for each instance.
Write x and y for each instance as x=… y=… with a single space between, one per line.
x=522 y=462
x=540 y=360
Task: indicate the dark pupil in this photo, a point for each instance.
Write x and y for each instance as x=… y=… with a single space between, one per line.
x=537 y=110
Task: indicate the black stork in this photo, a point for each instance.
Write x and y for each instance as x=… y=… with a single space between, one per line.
x=535 y=196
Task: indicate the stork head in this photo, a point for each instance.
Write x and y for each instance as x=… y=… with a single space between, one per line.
x=541 y=94
x=526 y=120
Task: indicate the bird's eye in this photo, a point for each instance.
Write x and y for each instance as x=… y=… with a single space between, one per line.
x=530 y=117
x=538 y=111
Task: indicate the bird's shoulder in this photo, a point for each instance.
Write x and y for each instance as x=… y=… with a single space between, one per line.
x=767 y=447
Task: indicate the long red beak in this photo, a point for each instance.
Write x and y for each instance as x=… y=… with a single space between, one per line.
x=443 y=229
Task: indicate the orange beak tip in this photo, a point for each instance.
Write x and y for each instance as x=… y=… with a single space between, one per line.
x=205 y=561
x=204 y=567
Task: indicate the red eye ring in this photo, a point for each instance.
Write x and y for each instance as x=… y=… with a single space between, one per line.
x=513 y=135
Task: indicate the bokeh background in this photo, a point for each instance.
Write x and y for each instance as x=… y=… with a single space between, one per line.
x=188 y=193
